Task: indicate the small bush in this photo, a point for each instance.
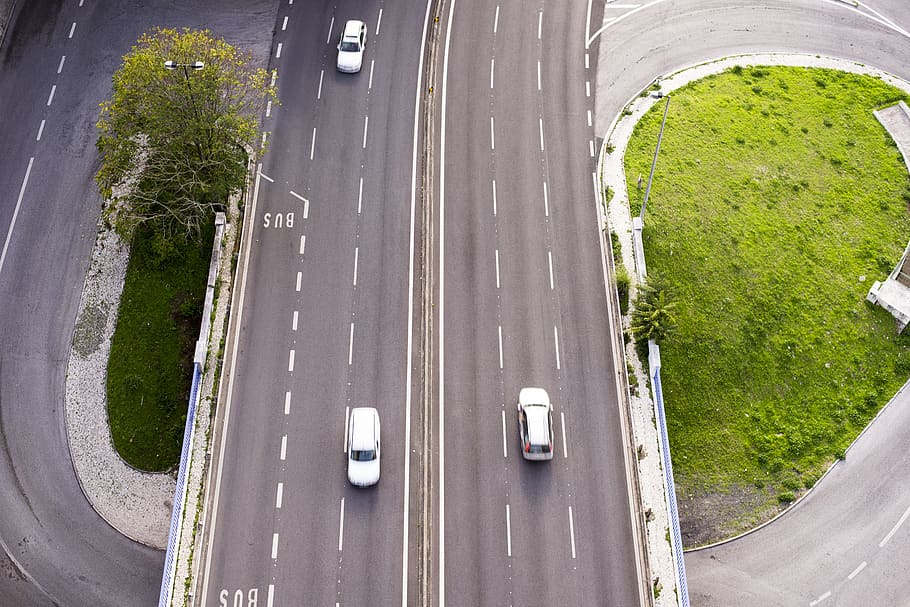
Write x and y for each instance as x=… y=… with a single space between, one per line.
x=623 y=284
x=786 y=497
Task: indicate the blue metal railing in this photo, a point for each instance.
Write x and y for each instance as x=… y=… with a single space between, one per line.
x=675 y=535
x=170 y=560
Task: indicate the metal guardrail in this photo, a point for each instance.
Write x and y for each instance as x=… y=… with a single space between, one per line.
x=170 y=561
x=675 y=535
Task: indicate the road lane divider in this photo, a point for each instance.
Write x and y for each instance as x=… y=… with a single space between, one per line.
x=572 y=531
x=565 y=448
x=341 y=527
x=505 y=452
x=274 y=545
x=508 y=532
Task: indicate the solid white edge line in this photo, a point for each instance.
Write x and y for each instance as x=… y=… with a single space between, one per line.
x=284 y=447
x=441 y=558
x=508 y=532
x=347 y=417
x=351 y=346
x=572 y=530
x=894 y=529
x=279 y=496
x=274 y=545
x=356 y=259
x=287 y=402
x=341 y=526
x=418 y=91
x=565 y=448
x=505 y=452
x=497 y=268
x=230 y=386
x=550 y=263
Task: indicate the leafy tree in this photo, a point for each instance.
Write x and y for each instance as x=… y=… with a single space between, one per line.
x=652 y=317
x=178 y=139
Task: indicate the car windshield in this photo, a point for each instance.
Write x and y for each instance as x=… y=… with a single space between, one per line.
x=363 y=455
x=349 y=46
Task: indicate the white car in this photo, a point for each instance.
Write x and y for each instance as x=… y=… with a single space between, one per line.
x=535 y=424
x=351 y=46
x=363 y=446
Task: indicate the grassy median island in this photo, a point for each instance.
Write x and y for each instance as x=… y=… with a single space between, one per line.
x=151 y=361
x=777 y=201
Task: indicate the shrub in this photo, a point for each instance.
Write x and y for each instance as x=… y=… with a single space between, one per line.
x=653 y=316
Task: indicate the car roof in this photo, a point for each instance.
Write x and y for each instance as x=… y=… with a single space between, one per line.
x=538 y=422
x=363 y=427
x=352 y=27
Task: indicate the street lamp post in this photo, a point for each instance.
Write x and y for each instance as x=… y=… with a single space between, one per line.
x=195 y=65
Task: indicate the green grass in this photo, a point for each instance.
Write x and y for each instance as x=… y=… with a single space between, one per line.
x=151 y=361
x=776 y=192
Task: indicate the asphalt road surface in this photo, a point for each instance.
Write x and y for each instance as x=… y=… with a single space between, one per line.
x=327 y=320
x=324 y=324
x=55 y=549
x=525 y=305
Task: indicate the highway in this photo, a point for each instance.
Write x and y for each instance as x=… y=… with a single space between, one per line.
x=522 y=303
x=332 y=313
x=324 y=324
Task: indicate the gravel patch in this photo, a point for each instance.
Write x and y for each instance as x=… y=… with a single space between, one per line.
x=138 y=504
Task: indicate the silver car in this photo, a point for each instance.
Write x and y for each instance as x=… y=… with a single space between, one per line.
x=535 y=424
x=363 y=446
x=351 y=46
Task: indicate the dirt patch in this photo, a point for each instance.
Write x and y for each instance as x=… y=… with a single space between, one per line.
x=708 y=517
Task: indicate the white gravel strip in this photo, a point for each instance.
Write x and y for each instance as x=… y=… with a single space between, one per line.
x=620 y=221
x=138 y=504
